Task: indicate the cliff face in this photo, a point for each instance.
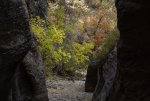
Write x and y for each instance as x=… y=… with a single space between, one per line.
x=37 y=8
x=132 y=79
x=106 y=76
x=15 y=41
x=19 y=55
x=29 y=80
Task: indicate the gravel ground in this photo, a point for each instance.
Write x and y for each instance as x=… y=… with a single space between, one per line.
x=65 y=90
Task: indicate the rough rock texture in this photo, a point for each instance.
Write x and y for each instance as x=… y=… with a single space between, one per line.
x=37 y=8
x=91 y=78
x=132 y=82
x=29 y=83
x=21 y=79
x=106 y=77
x=15 y=41
x=98 y=67
x=29 y=80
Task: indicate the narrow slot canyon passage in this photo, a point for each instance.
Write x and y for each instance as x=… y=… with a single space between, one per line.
x=74 y=50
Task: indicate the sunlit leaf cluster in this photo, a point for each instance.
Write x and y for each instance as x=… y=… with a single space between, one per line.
x=57 y=53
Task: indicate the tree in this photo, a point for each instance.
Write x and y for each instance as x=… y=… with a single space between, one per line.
x=105 y=37
x=62 y=53
x=96 y=69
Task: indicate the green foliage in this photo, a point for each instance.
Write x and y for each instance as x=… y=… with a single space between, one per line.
x=57 y=53
x=102 y=52
x=62 y=38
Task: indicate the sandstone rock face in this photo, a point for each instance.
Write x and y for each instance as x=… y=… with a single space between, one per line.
x=21 y=77
x=37 y=8
x=132 y=81
x=29 y=80
x=133 y=73
x=15 y=41
x=102 y=74
x=106 y=76
x=91 y=78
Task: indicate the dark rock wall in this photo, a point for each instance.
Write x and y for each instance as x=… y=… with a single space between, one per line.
x=133 y=75
x=101 y=72
x=132 y=81
x=22 y=77
x=29 y=80
x=35 y=71
x=106 y=76
x=15 y=41
x=29 y=83
x=37 y=8
x=91 y=78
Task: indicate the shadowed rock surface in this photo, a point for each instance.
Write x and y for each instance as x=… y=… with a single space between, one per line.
x=106 y=76
x=29 y=84
x=91 y=78
x=37 y=8
x=15 y=41
x=132 y=79
x=21 y=77
x=101 y=71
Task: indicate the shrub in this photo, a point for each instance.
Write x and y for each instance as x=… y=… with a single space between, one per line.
x=102 y=52
x=59 y=55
